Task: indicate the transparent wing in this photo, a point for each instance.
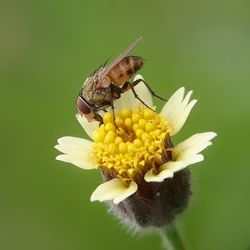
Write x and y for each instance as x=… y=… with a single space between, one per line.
x=107 y=69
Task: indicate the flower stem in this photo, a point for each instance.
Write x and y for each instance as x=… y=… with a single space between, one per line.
x=171 y=239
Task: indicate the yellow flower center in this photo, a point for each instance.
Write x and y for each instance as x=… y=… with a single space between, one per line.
x=130 y=144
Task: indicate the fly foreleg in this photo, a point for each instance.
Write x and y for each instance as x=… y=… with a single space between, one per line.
x=113 y=91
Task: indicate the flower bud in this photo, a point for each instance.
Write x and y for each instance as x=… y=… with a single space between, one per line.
x=155 y=204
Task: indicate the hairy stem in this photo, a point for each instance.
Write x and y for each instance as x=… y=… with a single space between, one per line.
x=171 y=239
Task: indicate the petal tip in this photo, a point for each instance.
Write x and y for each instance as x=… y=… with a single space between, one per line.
x=213 y=134
x=149 y=177
x=92 y=198
x=138 y=76
x=59 y=157
x=63 y=139
x=58 y=147
x=210 y=135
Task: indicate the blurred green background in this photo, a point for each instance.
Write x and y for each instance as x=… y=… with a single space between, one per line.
x=47 y=48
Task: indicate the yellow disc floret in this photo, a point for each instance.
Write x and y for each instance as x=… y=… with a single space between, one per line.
x=130 y=143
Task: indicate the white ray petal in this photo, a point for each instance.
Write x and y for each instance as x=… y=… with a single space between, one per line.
x=191 y=151
x=177 y=109
x=76 y=151
x=143 y=92
x=124 y=194
x=173 y=101
x=184 y=154
x=70 y=151
x=180 y=119
x=128 y=100
x=75 y=143
x=191 y=160
x=186 y=162
x=113 y=190
x=84 y=162
x=187 y=98
x=195 y=141
x=166 y=171
x=89 y=127
x=188 y=150
x=74 y=146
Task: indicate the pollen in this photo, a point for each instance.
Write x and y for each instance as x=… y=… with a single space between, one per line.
x=131 y=143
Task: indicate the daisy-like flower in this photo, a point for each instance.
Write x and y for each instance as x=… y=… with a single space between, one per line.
x=145 y=175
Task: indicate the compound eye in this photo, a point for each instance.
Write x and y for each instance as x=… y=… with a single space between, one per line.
x=82 y=106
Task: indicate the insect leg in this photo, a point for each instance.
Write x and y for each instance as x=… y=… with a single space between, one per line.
x=125 y=87
x=98 y=117
x=99 y=108
x=103 y=107
x=110 y=90
x=131 y=86
x=149 y=88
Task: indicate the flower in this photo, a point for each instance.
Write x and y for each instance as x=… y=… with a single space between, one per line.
x=143 y=171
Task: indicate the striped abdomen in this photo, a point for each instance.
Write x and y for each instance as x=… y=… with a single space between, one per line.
x=122 y=72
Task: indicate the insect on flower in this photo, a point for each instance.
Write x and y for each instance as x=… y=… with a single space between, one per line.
x=145 y=176
x=108 y=82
